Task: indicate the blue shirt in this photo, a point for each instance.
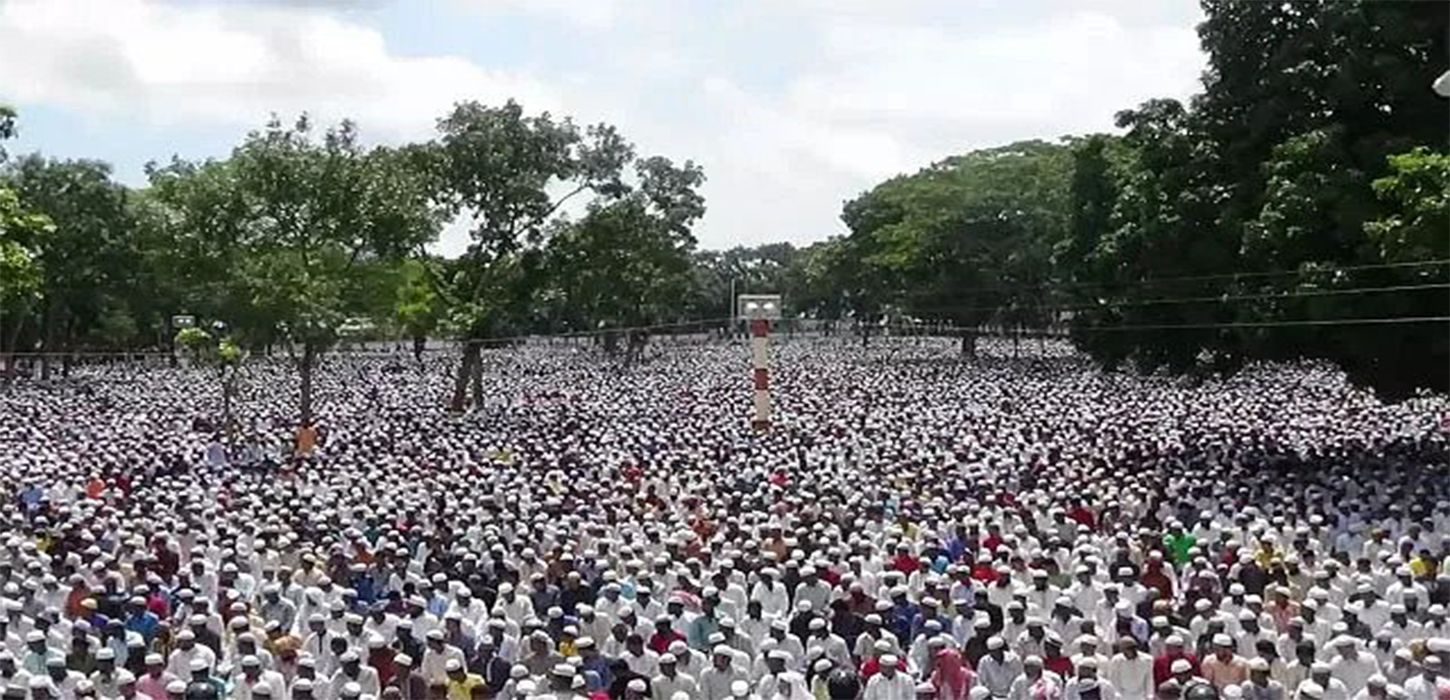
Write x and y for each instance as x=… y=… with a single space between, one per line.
x=144 y=624
x=700 y=631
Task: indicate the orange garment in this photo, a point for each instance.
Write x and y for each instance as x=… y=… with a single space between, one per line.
x=306 y=440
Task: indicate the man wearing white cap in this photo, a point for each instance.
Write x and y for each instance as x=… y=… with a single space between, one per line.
x=782 y=684
x=1130 y=671
x=352 y=670
x=1260 y=685
x=1377 y=688
x=434 y=665
x=890 y=683
x=772 y=594
x=716 y=680
x=998 y=668
x=153 y=682
x=1353 y=666
x=671 y=681
x=514 y=607
x=824 y=643
x=252 y=675
x=1330 y=688
x=1086 y=685
x=1225 y=668
x=10 y=673
x=1426 y=685
x=813 y=589
x=179 y=665
x=1035 y=683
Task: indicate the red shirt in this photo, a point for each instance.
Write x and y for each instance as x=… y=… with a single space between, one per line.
x=1155 y=578
x=1083 y=516
x=1060 y=664
x=1163 y=663
x=659 y=643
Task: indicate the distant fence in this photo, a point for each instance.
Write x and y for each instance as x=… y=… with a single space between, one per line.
x=37 y=365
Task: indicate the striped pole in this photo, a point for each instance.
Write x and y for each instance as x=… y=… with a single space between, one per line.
x=759 y=357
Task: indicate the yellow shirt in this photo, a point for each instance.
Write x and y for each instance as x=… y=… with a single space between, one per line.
x=462 y=689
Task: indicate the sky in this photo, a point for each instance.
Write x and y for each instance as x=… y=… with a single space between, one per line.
x=792 y=107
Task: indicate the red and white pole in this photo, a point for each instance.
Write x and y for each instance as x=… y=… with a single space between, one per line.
x=759 y=363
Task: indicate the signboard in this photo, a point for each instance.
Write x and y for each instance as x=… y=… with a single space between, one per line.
x=758 y=306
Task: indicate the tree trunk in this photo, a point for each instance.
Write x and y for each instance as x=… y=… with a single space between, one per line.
x=460 y=382
x=66 y=359
x=476 y=379
x=229 y=379
x=969 y=343
x=48 y=344
x=12 y=359
x=309 y=360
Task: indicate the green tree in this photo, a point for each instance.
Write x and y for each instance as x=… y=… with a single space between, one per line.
x=418 y=308
x=1416 y=191
x=293 y=218
x=965 y=241
x=511 y=173
x=627 y=262
x=1219 y=229
x=22 y=233
x=87 y=261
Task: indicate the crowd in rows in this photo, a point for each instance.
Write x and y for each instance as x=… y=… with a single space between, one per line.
x=912 y=526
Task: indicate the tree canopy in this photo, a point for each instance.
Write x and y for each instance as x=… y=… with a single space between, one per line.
x=1298 y=206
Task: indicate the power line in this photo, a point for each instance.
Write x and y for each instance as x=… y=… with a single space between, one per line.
x=1370 y=321
x=1205 y=299
x=1231 y=276
x=1285 y=273
x=596 y=332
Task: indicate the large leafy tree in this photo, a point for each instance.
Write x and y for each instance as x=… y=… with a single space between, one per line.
x=1222 y=229
x=293 y=218
x=511 y=173
x=627 y=263
x=87 y=261
x=22 y=233
x=966 y=241
x=762 y=269
x=418 y=310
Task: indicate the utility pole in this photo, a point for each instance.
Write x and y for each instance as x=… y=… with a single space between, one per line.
x=734 y=307
x=760 y=310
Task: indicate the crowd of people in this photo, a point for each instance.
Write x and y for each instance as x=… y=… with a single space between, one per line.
x=912 y=526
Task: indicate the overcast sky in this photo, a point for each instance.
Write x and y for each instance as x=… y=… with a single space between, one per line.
x=791 y=106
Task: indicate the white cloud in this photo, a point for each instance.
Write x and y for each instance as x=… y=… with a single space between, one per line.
x=883 y=98
x=233 y=65
x=588 y=14
x=791 y=106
